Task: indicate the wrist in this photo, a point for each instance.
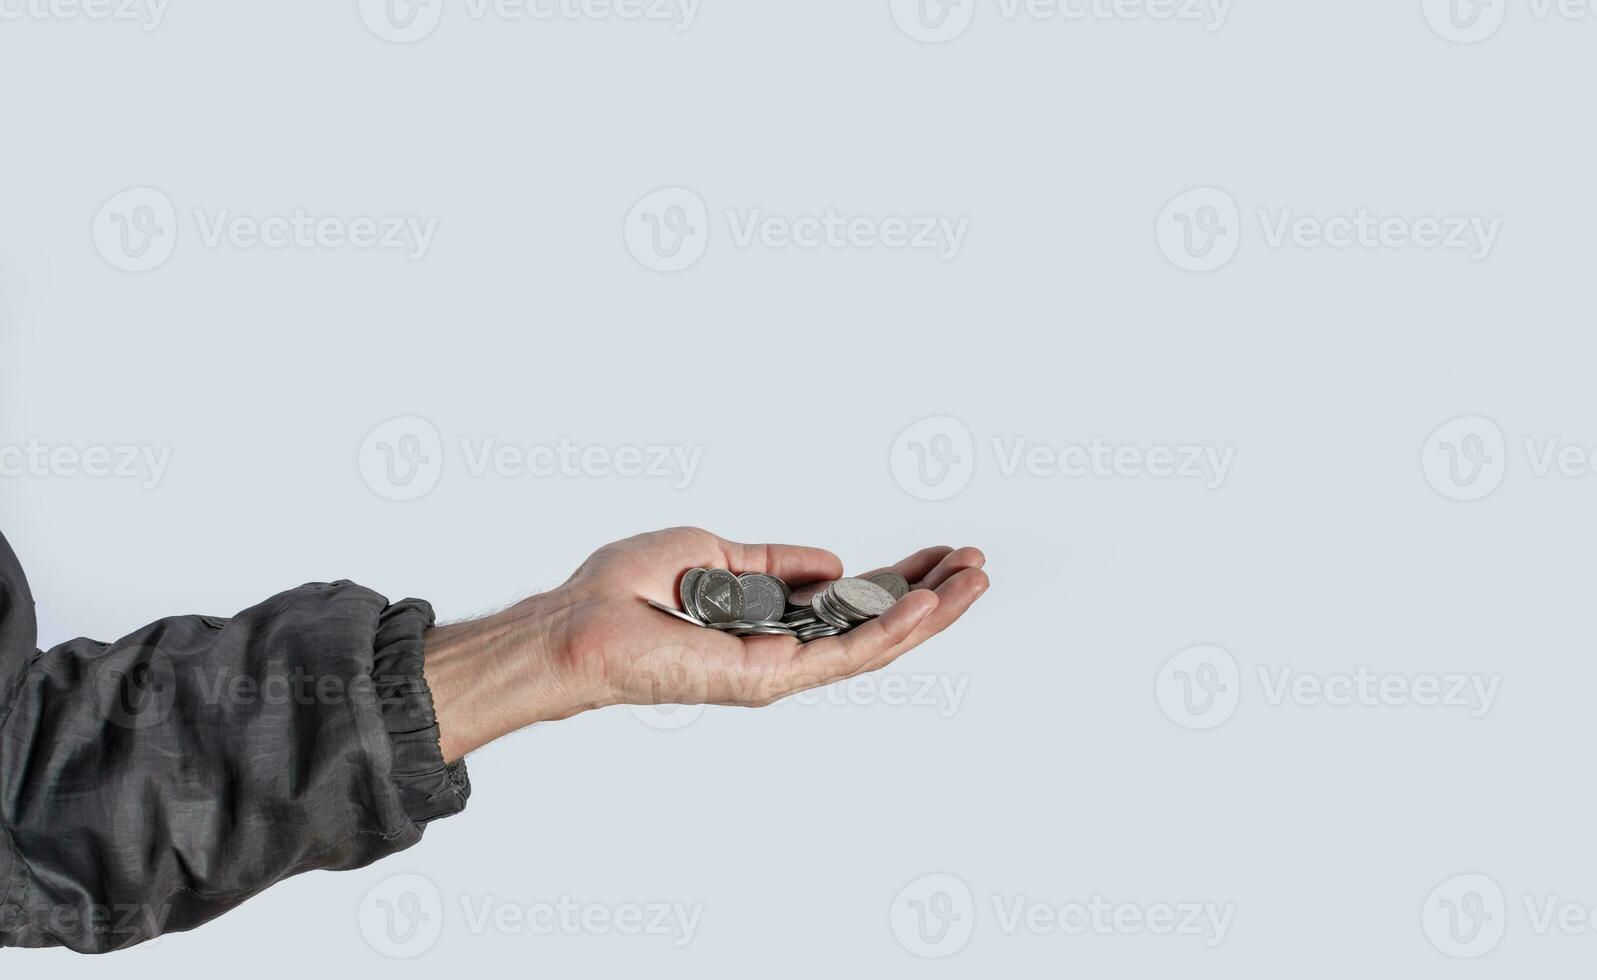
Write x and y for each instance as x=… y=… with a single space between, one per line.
x=503 y=672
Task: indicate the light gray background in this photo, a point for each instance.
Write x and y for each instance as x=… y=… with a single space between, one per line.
x=1060 y=776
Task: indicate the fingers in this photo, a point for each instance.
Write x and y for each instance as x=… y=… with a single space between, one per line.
x=788 y=562
x=785 y=668
x=916 y=566
x=828 y=660
x=955 y=597
x=950 y=565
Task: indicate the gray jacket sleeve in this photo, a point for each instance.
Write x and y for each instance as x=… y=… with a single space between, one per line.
x=151 y=784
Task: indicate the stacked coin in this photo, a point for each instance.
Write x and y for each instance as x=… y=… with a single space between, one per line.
x=755 y=604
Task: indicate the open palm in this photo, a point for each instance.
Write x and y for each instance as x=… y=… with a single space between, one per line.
x=617 y=647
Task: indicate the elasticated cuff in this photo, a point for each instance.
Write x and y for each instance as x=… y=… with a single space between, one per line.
x=429 y=789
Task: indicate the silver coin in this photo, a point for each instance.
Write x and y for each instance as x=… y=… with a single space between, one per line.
x=768 y=629
x=764 y=597
x=896 y=585
x=679 y=614
x=801 y=598
x=860 y=598
x=718 y=596
x=753 y=629
x=825 y=612
x=685 y=591
x=848 y=615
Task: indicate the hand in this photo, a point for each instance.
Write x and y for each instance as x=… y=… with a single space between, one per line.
x=594 y=641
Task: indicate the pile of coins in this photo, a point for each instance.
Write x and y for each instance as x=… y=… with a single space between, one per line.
x=754 y=604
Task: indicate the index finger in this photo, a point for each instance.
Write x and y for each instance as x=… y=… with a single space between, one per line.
x=788 y=562
x=916 y=566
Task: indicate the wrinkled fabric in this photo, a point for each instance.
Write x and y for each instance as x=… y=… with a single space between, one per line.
x=152 y=784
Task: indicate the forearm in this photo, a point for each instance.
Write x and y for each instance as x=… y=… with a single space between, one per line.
x=498 y=674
